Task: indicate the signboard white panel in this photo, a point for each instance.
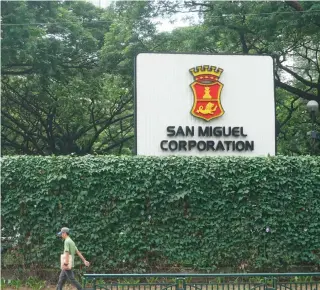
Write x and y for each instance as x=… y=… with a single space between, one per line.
x=204 y=105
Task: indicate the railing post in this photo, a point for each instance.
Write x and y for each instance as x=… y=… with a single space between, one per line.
x=274 y=282
x=180 y=284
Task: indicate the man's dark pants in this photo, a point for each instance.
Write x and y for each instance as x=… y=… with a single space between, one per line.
x=67 y=275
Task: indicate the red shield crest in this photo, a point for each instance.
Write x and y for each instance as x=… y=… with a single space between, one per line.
x=206 y=92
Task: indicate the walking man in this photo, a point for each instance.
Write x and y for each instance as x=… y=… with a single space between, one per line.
x=70 y=250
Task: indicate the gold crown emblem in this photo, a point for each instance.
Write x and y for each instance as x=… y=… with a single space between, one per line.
x=206 y=72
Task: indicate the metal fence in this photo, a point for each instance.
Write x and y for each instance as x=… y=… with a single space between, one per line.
x=179 y=281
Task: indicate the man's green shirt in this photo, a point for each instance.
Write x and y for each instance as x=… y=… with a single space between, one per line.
x=69 y=246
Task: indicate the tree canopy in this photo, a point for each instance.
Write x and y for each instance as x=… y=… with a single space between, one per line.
x=67 y=67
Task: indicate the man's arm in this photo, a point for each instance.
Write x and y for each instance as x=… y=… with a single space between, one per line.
x=66 y=259
x=82 y=258
x=66 y=254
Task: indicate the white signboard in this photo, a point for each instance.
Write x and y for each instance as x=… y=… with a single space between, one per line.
x=204 y=105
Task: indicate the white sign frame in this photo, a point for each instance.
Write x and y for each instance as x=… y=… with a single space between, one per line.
x=148 y=73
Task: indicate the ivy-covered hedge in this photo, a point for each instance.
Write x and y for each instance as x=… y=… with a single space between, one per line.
x=149 y=213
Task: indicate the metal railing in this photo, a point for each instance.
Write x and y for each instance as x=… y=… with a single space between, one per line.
x=180 y=281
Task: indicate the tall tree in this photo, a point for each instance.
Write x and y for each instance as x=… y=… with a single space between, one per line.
x=289 y=31
x=67 y=67
x=59 y=95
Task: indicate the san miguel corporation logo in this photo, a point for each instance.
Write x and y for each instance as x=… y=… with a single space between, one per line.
x=206 y=91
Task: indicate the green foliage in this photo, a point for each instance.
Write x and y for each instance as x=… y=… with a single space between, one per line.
x=294 y=126
x=129 y=281
x=57 y=96
x=32 y=283
x=276 y=28
x=35 y=284
x=152 y=280
x=2 y=283
x=301 y=279
x=15 y=284
x=68 y=66
x=141 y=213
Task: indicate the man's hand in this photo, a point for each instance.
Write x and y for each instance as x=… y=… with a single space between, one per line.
x=82 y=258
x=64 y=267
